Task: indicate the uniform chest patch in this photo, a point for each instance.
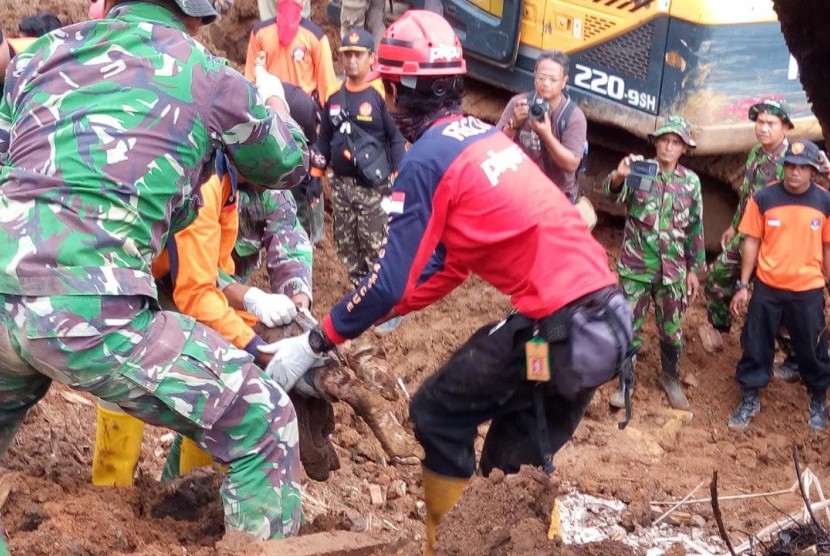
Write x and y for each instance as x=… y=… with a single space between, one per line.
x=814 y=224
x=774 y=222
x=298 y=54
x=365 y=109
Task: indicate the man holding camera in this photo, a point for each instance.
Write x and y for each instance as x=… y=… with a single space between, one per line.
x=547 y=125
x=351 y=114
x=662 y=250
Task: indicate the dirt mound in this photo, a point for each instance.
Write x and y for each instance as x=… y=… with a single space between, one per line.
x=504 y=515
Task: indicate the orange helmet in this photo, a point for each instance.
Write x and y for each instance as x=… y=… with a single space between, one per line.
x=96 y=9
x=419 y=43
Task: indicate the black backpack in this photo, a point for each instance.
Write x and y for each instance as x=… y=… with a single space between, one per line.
x=368 y=154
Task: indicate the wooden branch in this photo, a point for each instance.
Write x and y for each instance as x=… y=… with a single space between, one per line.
x=670 y=510
x=713 y=492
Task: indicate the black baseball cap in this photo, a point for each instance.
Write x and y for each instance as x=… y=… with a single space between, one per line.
x=358 y=40
x=803 y=153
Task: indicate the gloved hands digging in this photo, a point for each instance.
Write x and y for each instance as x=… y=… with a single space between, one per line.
x=291 y=358
x=271 y=309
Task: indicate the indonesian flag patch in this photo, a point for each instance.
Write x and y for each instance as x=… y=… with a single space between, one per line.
x=394 y=203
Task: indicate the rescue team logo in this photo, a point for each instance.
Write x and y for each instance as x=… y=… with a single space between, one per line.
x=364 y=112
x=499 y=162
x=448 y=53
x=815 y=224
x=797 y=148
x=298 y=54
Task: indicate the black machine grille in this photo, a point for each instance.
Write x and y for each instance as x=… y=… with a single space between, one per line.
x=628 y=54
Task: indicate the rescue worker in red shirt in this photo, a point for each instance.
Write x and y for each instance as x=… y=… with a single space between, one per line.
x=468 y=200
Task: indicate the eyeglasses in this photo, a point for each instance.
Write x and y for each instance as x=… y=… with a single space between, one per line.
x=544 y=78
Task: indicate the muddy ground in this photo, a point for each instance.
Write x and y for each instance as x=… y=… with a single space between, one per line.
x=49 y=506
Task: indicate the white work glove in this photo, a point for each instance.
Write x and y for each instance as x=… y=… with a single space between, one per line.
x=271 y=309
x=291 y=359
x=268 y=84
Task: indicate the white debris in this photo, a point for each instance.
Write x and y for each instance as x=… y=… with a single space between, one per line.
x=587 y=518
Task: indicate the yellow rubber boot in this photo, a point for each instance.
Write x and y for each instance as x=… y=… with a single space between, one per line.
x=192 y=457
x=117 y=447
x=440 y=493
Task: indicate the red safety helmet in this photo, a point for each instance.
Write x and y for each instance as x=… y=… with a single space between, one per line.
x=419 y=43
x=96 y=9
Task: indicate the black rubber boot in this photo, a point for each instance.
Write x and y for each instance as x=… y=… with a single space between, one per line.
x=749 y=408
x=818 y=411
x=670 y=379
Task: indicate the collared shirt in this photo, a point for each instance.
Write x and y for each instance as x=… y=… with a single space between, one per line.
x=663 y=237
x=109 y=128
x=305 y=62
x=762 y=169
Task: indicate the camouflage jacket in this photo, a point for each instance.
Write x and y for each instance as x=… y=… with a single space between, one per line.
x=269 y=219
x=108 y=128
x=762 y=169
x=663 y=237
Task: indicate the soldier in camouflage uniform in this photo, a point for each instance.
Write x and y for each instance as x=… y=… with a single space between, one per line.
x=107 y=128
x=764 y=166
x=359 y=219
x=268 y=219
x=662 y=250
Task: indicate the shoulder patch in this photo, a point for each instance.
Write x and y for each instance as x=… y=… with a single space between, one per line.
x=315 y=29
x=263 y=24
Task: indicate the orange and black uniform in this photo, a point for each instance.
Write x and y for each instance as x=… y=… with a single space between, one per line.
x=789 y=284
x=305 y=62
x=195 y=258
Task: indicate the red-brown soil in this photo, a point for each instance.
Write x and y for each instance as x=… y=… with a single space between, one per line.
x=52 y=508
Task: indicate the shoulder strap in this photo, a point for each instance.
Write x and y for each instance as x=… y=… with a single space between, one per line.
x=564 y=116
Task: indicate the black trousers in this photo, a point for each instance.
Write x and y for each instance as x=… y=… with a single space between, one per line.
x=803 y=315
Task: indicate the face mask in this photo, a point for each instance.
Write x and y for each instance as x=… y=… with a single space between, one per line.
x=411 y=125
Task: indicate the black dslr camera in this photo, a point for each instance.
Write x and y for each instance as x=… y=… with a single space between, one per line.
x=537 y=108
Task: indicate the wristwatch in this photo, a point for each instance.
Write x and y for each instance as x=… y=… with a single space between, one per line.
x=318 y=342
x=741 y=285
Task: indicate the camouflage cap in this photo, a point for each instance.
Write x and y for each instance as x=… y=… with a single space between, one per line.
x=677 y=125
x=778 y=108
x=803 y=153
x=198 y=8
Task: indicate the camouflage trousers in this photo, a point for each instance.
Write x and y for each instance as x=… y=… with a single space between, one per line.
x=359 y=225
x=167 y=370
x=669 y=306
x=719 y=286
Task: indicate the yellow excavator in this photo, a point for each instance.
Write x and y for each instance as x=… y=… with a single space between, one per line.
x=634 y=62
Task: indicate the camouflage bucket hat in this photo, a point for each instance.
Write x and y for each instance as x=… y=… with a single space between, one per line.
x=778 y=108
x=677 y=125
x=198 y=8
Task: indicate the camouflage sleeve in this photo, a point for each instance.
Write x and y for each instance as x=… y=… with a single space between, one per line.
x=223 y=280
x=620 y=196
x=5 y=128
x=288 y=251
x=743 y=196
x=695 y=250
x=266 y=149
x=9 y=93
